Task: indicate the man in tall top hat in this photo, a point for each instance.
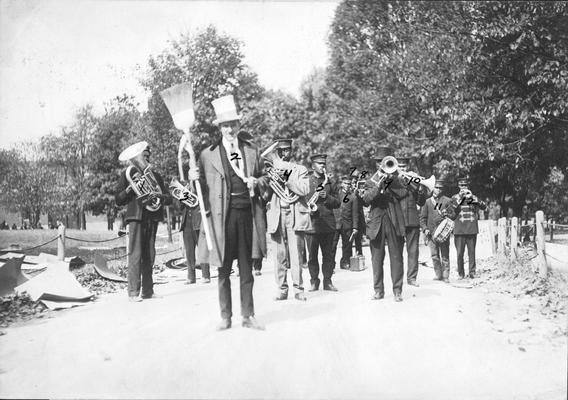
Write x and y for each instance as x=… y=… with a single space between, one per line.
x=386 y=224
x=143 y=225
x=465 y=226
x=432 y=213
x=415 y=196
x=320 y=235
x=231 y=177
x=288 y=220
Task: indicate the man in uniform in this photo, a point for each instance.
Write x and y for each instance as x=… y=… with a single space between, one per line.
x=465 y=226
x=386 y=224
x=287 y=221
x=323 y=225
x=415 y=195
x=349 y=220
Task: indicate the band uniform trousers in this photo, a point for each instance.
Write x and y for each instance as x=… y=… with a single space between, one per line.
x=287 y=255
x=336 y=237
x=441 y=269
x=387 y=234
x=325 y=242
x=346 y=247
x=238 y=244
x=358 y=239
x=461 y=241
x=141 y=241
x=412 y=238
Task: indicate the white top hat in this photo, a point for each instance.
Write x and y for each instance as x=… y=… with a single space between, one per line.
x=225 y=109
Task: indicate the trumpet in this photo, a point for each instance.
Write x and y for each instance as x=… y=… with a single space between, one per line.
x=313 y=200
x=139 y=175
x=277 y=183
x=389 y=165
x=183 y=193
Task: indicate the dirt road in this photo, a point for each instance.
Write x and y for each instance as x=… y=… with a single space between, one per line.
x=441 y=342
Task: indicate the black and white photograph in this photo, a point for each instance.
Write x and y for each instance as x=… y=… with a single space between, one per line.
x=291 y=199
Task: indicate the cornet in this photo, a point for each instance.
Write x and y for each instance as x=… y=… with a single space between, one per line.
x=140 y=176
x=389 y=165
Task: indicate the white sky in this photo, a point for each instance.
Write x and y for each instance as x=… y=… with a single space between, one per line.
x=58 y=55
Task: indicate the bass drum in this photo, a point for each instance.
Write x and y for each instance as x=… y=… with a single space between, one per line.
x=443 y=231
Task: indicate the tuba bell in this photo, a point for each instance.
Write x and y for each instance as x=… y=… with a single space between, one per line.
x=140 y=176
x=277 y=182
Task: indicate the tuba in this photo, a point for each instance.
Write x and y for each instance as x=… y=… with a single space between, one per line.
x=277 y=182
x=140 y=176
x=313 y=200
x=183 y=193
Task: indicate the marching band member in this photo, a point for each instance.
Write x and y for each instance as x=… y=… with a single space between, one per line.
x=230 y=175
x=433 y=212
x=414 y=196
x=386 y=224
x=142 y=226
x=348 y=220
x=288 y=220
x=465 y=226
x=323 y=200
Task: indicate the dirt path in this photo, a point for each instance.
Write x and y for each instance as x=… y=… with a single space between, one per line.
x=441 y=342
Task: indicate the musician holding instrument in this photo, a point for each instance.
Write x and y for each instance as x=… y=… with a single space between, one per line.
x=321 y=201
x=437 y=209
x=288 y=215
x=466 y=227
x=144 y=193
x=349 y=220
x=386 y=223
x=416 y=195
x=230 y=175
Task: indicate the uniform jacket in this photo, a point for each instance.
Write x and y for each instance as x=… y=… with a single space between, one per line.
x=348 y=211
x=323 y=220
x=467 y=215
x=216 y=195
x=135 y=211
x=299 y=183
x=430 y=217
x=385 y=204
x=408 y=204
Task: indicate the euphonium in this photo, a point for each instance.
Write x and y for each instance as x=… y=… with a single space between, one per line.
x=140 y=176
x=313 y=200
x=277 y=183
x=183 y=193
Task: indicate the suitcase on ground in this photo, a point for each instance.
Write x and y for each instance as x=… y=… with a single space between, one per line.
x=357 y=263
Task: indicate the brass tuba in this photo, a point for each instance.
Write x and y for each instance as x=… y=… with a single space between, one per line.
x=140 y=176
x=183 y=193
x=277 y=182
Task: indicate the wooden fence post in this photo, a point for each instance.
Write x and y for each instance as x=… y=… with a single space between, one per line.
x=551 y=226
x=514 y=236
x=493 y=234
x=502 y=236
x=61 y=242
x=541 y=256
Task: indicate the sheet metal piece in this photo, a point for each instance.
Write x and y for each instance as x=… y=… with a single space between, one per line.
x=11 y=275
x=103 y=270
x=55 y=284
x=177 y=263
x=60 y=305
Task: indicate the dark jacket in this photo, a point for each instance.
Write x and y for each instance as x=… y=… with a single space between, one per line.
x=467 y=215
x=430 y=216
x=384 y=205
x=348 y=211
x=135 y=211
x=190 y=214
x=408 y=205
x=323 y=220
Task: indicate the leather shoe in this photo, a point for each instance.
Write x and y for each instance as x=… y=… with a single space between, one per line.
x=330 y=287
x=205 y=280
x=472 y=276
x=188 y=282
x=437 y=278
x=135 y=299
x=152 y=296
x=378 y=296
x=413 y=283
x=257 y=273
x=300 y=296
x=397 y=297
x=251 y=322
x=446 y=280
x=314 y=287
x=281 y=296
x=224 y=324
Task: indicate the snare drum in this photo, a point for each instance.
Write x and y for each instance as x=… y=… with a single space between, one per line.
x=443 y=231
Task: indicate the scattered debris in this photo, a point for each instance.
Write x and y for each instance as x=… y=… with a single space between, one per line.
x=19 y=307
x=101 y=267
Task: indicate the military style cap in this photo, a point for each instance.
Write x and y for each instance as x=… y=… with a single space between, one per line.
x=440 y=183
x=284 y=143
x=463 y=181
x=403 y=161
x=382 y=152
x=319 y=158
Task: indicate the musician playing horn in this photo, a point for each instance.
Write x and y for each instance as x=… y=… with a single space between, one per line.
x=142 y=226
x=415 y=196
x=466 y=228
x=386 y=224
x=433 y=212
x=287 y=221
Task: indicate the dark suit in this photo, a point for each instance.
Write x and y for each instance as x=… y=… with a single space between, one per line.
x=386 y=224
x=349 y=220
x=190 y=226
x=142 y=227
x=408 y=204
x=323 y=229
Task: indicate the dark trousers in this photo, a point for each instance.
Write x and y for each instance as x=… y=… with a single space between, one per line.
x=238 y=244
x=325 y=242
x=336 y=236
x=346 y=247
x=461 y=241
x=257 y=264
x=387 y=234
x=190 y=239
x=412 y=237
x=141 y=241
x=359 y=243
x=441 y=269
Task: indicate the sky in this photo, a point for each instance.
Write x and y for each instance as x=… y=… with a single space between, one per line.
x=59 y=55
